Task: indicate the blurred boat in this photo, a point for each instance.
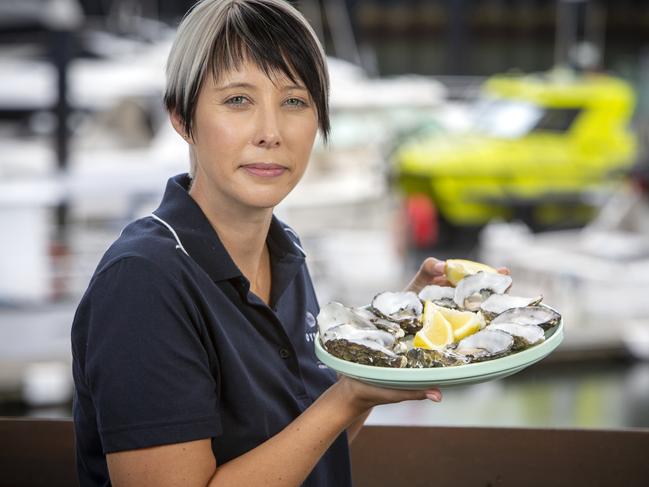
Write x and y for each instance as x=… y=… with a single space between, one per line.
x=545 y=149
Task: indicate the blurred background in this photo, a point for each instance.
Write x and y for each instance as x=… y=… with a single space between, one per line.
x=513 y=132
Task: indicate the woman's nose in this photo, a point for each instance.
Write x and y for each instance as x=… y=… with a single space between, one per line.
x=268 y=132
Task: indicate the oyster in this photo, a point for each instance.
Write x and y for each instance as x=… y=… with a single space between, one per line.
x=499 y=303
x=421 y=358
x=334 y=314
x=530 y=315
x=379 y=339
x=474 y=289
x=485 y=344
x=524 y=335
x=349 y=335
x=405 y=308
x=440 y=295
x=363 y=346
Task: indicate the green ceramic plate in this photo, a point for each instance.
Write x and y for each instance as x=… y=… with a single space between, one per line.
x=443 y=376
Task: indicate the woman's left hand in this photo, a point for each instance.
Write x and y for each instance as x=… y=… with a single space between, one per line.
x=433 y=271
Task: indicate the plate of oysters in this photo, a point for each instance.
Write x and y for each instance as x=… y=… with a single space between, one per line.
x=472 y=331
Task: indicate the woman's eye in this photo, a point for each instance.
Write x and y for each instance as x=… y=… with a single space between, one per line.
x=236 y=100
x=295 y=102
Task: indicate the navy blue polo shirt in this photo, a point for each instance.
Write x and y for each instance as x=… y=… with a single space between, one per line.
x=170 y=345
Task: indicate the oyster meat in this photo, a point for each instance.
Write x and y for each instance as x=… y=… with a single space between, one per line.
x=485 y=344
x=499 y=303
x=530 y=315
x=404 y=308
x=440 y=295
x=474 y=289
x=380 y=322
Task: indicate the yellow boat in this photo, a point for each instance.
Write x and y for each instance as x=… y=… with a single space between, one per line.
x=541 y=147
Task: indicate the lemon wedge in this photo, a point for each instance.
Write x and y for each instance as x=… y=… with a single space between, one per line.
x=467 y=325
x=458 y=269
x=436 y=333
x=463 y=323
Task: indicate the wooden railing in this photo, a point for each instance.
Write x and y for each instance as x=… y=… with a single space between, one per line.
x=37 y=452
x=500 y=457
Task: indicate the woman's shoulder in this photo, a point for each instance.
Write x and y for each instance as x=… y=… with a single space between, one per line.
x=142 y=244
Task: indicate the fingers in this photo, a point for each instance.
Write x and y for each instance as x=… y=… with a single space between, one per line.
x=431 y=271
x=505 y=271
x=432 y=267
x=440 y=281
x=365 y=396
x=435 y=272
x=434 y=395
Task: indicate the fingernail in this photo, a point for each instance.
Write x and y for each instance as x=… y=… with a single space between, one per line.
x=434 y=396
x=440 y=266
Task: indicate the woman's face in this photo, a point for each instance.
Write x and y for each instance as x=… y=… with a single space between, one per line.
x=252 y=139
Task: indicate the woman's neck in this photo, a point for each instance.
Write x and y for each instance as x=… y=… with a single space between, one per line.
x=243 y=232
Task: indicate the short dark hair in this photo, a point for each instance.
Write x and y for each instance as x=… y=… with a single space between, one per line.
x=217 y=35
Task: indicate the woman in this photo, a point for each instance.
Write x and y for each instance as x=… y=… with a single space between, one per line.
x=190 y=359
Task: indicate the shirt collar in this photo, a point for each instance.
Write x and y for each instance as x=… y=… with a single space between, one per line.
x=196 y=235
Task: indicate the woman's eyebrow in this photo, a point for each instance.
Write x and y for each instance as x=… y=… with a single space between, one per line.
x=236 y=85
x=242 y=84
x=293 y=87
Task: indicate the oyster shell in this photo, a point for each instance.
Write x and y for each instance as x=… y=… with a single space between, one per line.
x=474 y=289
x=375 y=338
x=499 y=303
x=524 y=335
x=485 y=344
x=350 y=335
x=440 y=295
x=334 y=314
x=356 y=352
x=531 y=315
x=421 y=358
x=363 y=346
x=405 y=308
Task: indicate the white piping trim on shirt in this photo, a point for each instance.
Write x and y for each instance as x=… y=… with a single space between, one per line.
x=170 y=228
x=180 y=245
x=291 y=231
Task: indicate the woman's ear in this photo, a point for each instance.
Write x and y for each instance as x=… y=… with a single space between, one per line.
x=179 y=126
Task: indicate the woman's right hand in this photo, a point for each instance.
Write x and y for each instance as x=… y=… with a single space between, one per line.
x=361 y=397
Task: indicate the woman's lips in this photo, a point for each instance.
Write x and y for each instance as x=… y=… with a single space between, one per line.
x=265 y=170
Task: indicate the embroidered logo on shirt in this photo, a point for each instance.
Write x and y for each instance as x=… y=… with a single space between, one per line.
x=310 y=326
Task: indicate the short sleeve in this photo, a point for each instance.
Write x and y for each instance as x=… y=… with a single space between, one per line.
x=144 y=363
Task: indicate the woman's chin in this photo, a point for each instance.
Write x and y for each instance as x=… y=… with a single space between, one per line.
x=265 y=201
